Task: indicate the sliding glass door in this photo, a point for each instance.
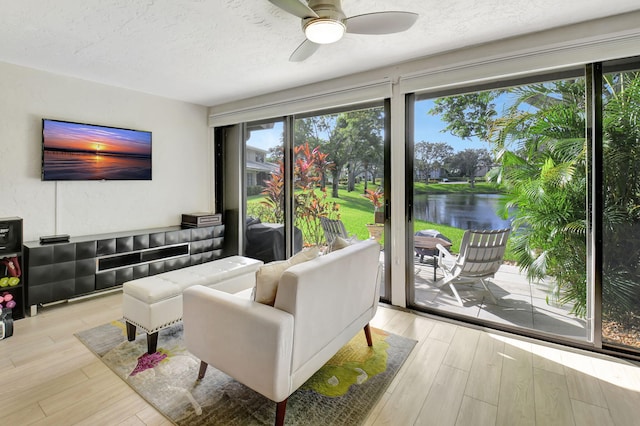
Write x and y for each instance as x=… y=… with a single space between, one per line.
x=303 y=170
x=264 y=171
x=339 y=174
x=552 y=158
x=504 y=157
x=621 y=207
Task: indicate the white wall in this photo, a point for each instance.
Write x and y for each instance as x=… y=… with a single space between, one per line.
x=181 y=160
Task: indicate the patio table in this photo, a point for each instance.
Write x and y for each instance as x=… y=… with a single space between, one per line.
x=429 y=243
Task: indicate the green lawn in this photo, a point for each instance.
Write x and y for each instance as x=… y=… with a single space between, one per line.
x=356 y=211
x=457 y=188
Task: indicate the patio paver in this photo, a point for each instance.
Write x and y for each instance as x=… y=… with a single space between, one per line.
x=519 y=303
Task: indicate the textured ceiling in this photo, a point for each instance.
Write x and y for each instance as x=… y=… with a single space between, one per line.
x=214 y=51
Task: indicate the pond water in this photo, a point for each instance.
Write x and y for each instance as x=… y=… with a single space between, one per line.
x=464 y=211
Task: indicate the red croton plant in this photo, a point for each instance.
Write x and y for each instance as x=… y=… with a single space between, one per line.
x=311 y=203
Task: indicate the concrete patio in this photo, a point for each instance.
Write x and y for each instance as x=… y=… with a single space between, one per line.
x=519 y=303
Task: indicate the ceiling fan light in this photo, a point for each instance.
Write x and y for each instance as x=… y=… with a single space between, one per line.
x=324 y=31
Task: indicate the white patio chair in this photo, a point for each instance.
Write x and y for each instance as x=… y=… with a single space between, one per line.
x=481 y=254
x=332 y=228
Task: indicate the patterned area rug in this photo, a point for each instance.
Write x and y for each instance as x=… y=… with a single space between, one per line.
x=340 y=393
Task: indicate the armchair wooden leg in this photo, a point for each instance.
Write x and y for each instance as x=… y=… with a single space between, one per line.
x=280 y=412
x=203 y=369
x=131 y=332
x=367 y=333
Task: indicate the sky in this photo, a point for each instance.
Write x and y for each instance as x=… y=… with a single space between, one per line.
x=266 y=139
x=85 y=137
x=428 y=128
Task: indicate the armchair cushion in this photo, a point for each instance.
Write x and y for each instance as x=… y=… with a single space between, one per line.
x=268 y=276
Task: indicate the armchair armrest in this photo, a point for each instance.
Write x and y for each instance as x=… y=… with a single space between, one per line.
x=443 y=251
x=249 y=341
x=445 y=258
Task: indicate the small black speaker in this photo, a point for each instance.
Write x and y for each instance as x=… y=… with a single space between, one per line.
x=49 y=239
x=10 y=235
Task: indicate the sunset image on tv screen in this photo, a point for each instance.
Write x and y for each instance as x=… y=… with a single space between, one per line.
x=74 y=151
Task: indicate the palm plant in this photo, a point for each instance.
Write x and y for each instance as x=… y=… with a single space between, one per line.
x=621 y=259
x=541 y=149
x=543 y=161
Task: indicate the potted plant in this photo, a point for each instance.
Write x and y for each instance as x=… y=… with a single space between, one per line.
x=376 y=197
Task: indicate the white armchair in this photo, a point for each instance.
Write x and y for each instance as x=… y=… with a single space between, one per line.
x=320 y=305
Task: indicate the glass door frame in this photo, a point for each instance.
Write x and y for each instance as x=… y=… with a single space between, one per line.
x=386 y=104
x=590 y=240
x=598 y=70
x=288 y=159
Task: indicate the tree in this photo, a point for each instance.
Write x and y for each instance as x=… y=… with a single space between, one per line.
x=274 y=154
x=430 y=156
x=310 y=130
x=468 y=162
x=355 y=142
x=468 y=115
x=352 y=140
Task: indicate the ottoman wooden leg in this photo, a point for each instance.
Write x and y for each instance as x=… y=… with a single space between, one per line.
x=152 y=342
x=131 y=332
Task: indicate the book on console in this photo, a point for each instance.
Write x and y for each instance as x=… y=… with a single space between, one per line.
x=194 y=220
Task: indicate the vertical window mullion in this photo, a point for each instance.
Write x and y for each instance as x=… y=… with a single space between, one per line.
x=289 y=184
x=594 y=133
x=409 y=129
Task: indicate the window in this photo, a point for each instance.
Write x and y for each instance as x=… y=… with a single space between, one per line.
x=621 y=209
x=509 y=157
x=335 y=171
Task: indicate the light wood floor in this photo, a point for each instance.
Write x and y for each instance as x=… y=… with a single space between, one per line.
x=454 y=376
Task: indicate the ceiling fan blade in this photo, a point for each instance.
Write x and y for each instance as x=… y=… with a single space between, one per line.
x=296 y=8
x=380 y=22
x=306 y=49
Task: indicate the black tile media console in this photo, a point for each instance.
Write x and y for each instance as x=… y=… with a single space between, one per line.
x=93 y=263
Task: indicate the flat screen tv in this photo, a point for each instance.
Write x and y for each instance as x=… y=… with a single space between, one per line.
x=76 y=151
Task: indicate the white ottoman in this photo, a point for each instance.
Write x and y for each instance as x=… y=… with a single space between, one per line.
x=155 y=302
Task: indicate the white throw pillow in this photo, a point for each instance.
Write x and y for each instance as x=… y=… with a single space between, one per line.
x=267 y=279
x=268 y=275
x=340 y=243
x=304 y=255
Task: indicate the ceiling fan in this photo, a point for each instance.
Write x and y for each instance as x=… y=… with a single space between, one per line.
x=324 y=22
